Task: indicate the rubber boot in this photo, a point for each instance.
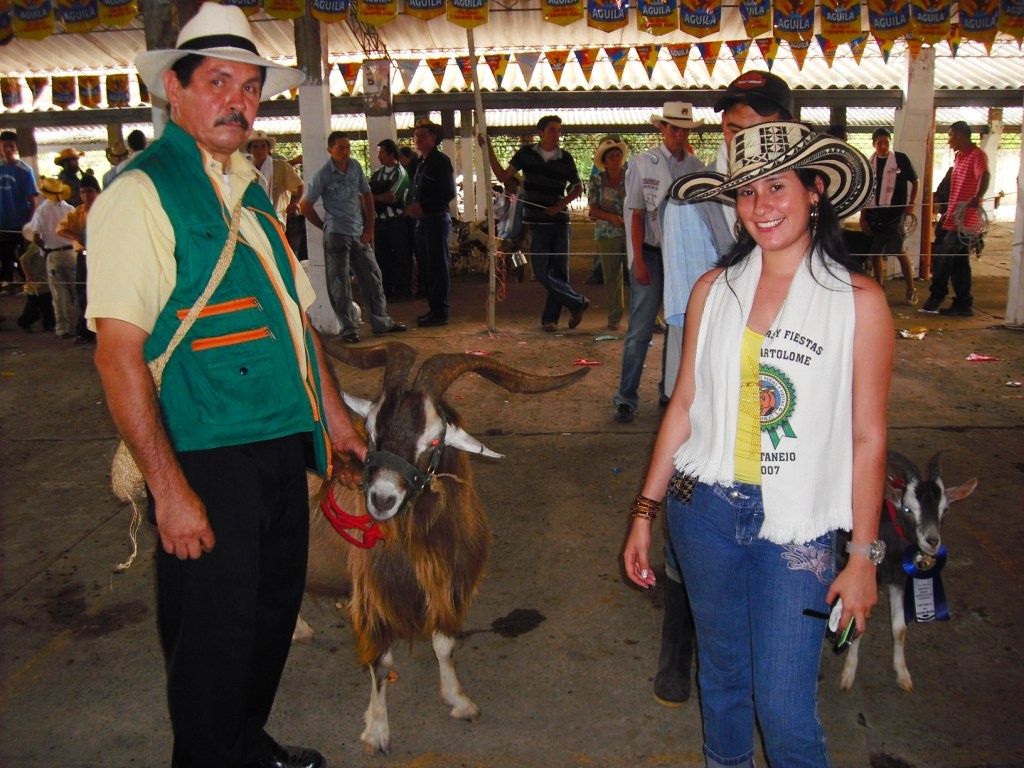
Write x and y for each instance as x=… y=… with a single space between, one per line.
x=672 y=681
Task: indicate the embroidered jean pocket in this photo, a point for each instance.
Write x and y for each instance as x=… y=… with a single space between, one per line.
x=681 y=486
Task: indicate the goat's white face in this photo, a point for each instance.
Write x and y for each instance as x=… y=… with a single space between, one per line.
x=410 y=426
x=925 y=504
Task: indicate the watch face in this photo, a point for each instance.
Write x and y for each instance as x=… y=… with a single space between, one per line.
x=876 y=551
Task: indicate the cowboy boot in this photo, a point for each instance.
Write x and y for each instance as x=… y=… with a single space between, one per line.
x=672 y=680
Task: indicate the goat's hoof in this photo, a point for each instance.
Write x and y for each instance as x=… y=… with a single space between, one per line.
x=302 y=631
x=467 y=711
x=376 y=743
x=906 y=685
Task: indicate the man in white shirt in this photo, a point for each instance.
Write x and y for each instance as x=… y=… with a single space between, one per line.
x=58 y=252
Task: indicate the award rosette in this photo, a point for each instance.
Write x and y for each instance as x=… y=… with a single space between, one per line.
x=778 y=399
x=924 y=599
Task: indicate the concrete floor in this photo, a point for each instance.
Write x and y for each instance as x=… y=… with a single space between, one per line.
x=558 y=651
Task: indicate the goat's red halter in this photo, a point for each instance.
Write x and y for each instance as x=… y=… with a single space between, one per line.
x=342 y=521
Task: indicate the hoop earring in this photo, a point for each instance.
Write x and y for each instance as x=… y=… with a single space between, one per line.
x=814 y=219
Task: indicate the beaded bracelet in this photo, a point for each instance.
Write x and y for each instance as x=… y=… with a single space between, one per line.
x=645 y=507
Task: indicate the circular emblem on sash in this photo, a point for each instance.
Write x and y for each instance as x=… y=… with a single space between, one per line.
x=777 y=398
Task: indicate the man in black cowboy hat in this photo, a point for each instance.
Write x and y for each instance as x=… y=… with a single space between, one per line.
x=246 y=401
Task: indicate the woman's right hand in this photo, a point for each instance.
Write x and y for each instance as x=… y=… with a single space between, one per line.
x=635 y=554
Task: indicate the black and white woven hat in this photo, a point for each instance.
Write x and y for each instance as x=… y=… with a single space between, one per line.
x=220 y=32
x=770 y=148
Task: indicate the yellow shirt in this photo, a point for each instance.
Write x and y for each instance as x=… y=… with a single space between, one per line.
x=748 y=425
x=132 y=268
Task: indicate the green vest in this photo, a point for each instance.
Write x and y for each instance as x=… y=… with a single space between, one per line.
x=235 y=377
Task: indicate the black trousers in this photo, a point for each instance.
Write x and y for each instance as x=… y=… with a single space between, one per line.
x=226 y=619
x=951 y=266
x=432 y=257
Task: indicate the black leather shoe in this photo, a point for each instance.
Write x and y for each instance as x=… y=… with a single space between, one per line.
x=290 y=757
x=350 y=338
x=430 y=321
x=396 y=327
x=423 y=317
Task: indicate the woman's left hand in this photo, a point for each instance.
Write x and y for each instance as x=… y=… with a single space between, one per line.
x=858 y=587
x=635 y=554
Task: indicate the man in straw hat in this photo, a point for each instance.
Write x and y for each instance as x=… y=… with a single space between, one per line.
x=277 y=176
x=116 y=154
x=70 y=173
x=774 y=442
x=246 y=399
x=58 y=253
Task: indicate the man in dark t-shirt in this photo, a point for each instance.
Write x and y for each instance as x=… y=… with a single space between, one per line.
x=550 y=183
x=890 y=202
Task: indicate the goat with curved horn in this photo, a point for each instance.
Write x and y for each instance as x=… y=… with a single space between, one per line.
x=420 y=506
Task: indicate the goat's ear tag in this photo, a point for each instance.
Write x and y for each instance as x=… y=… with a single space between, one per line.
x=459 y=438
x=357 y=404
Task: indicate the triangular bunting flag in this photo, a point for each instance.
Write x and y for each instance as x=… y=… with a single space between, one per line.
x=740 y=49
x=587 y=57
x=857 y=47
x=680 y=55
x=497 y=63
x=885 y=46
x=828 y=50
x=648 y=55
x=527 y=64
x=36 y=85
x=914 y=47
x=618 y=56
x=1011 y=20
x=556 y=60
x=407 y=68
x=954 y=39
x=465 y=65
x=709 y=52
x=799 y=51
x=437 y=69
x=349 y=71
x=769 y=47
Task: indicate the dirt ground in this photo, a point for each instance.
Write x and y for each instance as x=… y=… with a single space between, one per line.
x=559 y=652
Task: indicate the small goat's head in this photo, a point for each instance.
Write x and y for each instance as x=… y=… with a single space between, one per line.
x=409 y=426
x=922 y=502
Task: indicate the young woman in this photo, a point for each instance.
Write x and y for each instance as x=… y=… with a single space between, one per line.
x=773 y=441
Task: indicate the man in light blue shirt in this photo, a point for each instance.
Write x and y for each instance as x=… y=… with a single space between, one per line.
x=348 y=238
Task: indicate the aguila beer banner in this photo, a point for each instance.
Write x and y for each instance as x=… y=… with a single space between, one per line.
x=799 y=50
x=118 y=94
x=32 y=20
x=376 y=12
x=979 y=20
x=63 y=93
x=10 y=89
x=468 y=14
x=284 y=9
x=249 y=7
x=118 y=13
x=889 y=19
x=657 y=17
x=700 y=18
x=607 y=15
x=437 y=68
x=680 y=55
x=1011 y=20
x=929 y=22
x=6 y=22
x=562 y=12
x=757 y=17
x=794 y=20
x=840 y=20
x=424 y=9
x=89 y=90
x=329 y=11
x=78 y=15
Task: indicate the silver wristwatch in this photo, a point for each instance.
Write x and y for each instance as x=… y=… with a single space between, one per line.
x=875 y=551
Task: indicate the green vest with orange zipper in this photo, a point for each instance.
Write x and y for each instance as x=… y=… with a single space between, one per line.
x=235 y=377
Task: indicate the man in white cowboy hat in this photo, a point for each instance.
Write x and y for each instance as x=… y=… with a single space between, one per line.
x=246 y=400
x=58 y=252
x=693 y=238
x=277 y=176
x=70 y=174
x=647 y=181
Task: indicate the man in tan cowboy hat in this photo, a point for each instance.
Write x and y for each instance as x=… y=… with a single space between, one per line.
x=116 y=153
x=69 y=172
x=58 y=252
x=246 y=399
x=277 y=177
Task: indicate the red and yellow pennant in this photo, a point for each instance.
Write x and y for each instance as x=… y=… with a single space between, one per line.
x=709 y=53
x=329 y=11
x=248 y=7
x=700 y=18
x=89 y=90
x=284 y=9
x=587 y=58
x=118 y=94
x=618 y=56
x=63 y=94
x=556 y=60
x=889 y=19
x=794 y=20
x=118 y=13
x=32 y=20
x=648 y=55
x=498 y=64
x=437 y=68
x=376 y=12
x=10 y=90
x=929 y=21
x=680 y=55
x=799 y=50
x=769 y=47
x=657 y=17
x=467 y=14
x=740 y=49
x=78 y=15
x=349 y=72
x=840 y=20
x=979 y=20
x=424 y=9
x=829 y=49
x=1011 y=19
x=757 y=17
x=857 y=47
x=607 y=15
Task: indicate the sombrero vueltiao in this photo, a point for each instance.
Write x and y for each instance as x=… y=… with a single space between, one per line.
x=770 y=148
x=220 y=32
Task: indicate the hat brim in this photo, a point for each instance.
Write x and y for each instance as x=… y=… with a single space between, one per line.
x=153 y=64
x=64 y=194
x=676 y=121
x=847 y=174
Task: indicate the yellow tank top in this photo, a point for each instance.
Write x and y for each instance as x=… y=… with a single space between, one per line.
x=748 y=425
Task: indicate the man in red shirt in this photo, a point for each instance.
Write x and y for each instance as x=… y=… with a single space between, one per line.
x=951 y=261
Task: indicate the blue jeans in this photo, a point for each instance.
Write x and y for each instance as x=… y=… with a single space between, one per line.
x=344 y=252
x=549 y=249
x=758 y=653
x=644 y=303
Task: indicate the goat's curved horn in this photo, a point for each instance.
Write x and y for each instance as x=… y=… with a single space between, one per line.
x=935 y=465
x=395 y=358
x=438 y=372
x=901 y=467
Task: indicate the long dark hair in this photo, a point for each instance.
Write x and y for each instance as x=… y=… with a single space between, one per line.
x=826 y=238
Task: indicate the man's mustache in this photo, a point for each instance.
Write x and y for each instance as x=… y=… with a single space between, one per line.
x=233 y=117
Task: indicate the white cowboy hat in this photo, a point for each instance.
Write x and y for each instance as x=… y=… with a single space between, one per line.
x=770 y=148
x=605 y=145
x=220 y=32
x=261 y=136
x=677 y=113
